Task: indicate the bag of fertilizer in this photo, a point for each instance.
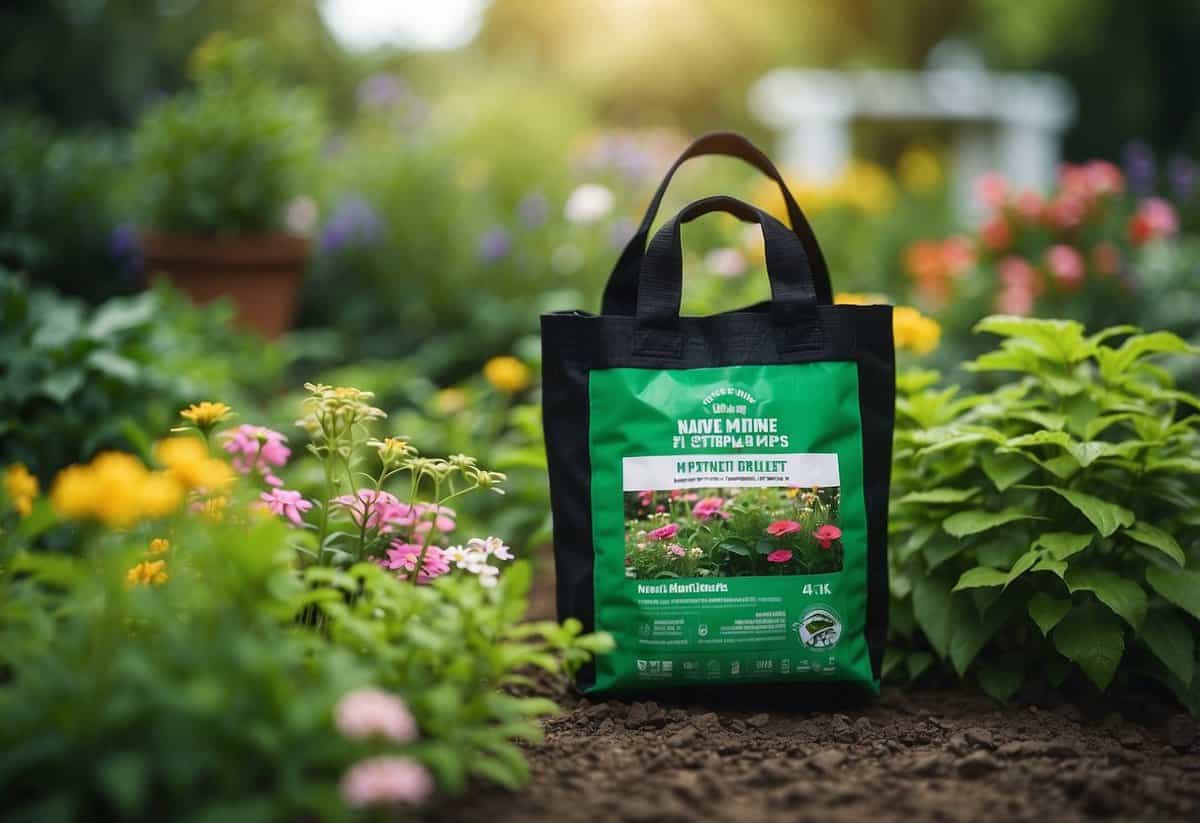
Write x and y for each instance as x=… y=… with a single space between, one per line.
x=719 y=484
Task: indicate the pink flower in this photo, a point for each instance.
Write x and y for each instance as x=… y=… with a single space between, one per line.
x=377 y=506
x=664 y=532
x=1066 y=211
x=992 y=189
x=1155 y=218
x=385 y=780
x=782 y=527
x=1015 y=301
x=827 y=534
x=1103 y=178
x=1066 y=264
x=1106 y=259
x=687 y=497
x=403 y=557
x=779 y=556
x=365 y=713
x=996 y=234
x=256 y=448
x=1029 y=205
x=677 y=550
x=289 y=504
x=1021 y=284
x=422 y=517
x=709 y=507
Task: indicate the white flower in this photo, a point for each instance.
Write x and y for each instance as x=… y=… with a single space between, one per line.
x=589 y=203
x=696 y=551
x=300 y=215
x=492 y=547
x=457 y=555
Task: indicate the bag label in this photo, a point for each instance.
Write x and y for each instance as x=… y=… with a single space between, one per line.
x=729 y=524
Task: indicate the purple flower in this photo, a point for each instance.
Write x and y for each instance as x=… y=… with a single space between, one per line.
x=380 y=91
x=125 y=249
x=1140 y=168
x=533 y=210
x=354 y=223
x=495 y=245
x=1182 y=177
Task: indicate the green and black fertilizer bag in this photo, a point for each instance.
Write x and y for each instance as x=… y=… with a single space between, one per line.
x=719 y=484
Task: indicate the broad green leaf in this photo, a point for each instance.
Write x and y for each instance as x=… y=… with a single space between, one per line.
x=970 y=636
x=1156 y=538
x=940 y=549
x=981 y=576
x=943 y=495
x=1061 y=341
x=63 y=383
x=1046 y=563
x=1020 y=360
x=934 y=610
x=1000 y=681
x=1022 y=565
x=999 y=552
x=975 y=521
x=1062 y=545
x=918 y=663
x=1047 y=611
x=1178 y=586
x=1170 y=639
x=892 y=660
x=1043 y=419
x=1123 y=596
x=1092 y=638
x=1115 y=364
x=113 y=365
x=1084 y=452
x=1005 y=469
x=1112 y=331
x=1099 y=424
x=1106 y=517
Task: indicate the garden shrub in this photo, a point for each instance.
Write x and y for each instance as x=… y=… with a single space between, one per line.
x=1051 y=523
x=75 y=379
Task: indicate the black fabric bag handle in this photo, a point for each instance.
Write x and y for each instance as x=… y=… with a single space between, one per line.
x=660 y=284
x=620 y=295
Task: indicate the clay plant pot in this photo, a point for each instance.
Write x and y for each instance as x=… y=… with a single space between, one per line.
x=260 y=274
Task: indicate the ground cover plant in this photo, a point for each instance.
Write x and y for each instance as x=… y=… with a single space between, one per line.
x=287 y=668
x=1049 y=526
x=732 y=532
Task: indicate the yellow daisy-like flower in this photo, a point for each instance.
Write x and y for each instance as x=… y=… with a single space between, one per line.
x=147 y=573
x=188 y=460
x=849 y=298
x=507 y=374
x=914 y=331
x=213 y=508
x=159 y=545
x=206 y=414
x=450 y=401
x=116 y=489
x=21 y=487
x=919 y=170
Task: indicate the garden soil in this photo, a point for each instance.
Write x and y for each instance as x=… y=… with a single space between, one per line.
x=950 y=755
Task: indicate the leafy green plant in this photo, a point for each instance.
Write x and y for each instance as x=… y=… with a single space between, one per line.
x=228 y=155
x=74 y=379
x=1050 y=523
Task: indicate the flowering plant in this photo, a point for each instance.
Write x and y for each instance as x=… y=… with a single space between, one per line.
x=1049 y=526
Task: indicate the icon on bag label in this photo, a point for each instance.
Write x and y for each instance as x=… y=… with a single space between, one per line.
x=819 y=628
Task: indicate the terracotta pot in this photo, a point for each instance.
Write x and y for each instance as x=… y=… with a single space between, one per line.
x=260 y=274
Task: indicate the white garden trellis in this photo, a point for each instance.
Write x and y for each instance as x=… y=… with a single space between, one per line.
x=1008 y=122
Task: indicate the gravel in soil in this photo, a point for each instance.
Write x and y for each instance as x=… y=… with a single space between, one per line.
x=944 y=756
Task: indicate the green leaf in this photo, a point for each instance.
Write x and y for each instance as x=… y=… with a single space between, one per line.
x=934 y=610
x=1178 y=586
x=1170 y=639
x=980 y=576
x=1156 y=538
x=943 y=495
x=1106 y=517
x=940 y=549
x=1000 y=680
x=1022 y=565
x=1062 y=545
x=971 y=635
x=1092 y=638
x=1060 y=341
x=1123 y=596
x=975 y=521
x=1005 y=469
x=60 y=385
x=1046 y=563
x=1047 y=611
x=113 y=365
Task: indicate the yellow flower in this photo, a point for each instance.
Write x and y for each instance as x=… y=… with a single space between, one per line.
x=848 y=298
x=919 y=170
x=867 y=187
x=206 y=414
x=507 y=374
x=214 y=508
x=116 y=489
x=159 y=545
x=914 y=331
x=450 y=401
x=147 y=573
x=188 y=460
x=21 y=487
x=392 y=450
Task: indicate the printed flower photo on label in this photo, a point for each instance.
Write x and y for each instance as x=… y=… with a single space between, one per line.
x=732 y=532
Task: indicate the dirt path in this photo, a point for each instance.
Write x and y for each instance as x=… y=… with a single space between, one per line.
x=929 y=755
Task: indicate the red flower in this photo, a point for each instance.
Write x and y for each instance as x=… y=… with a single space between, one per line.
x=827 y=534
x=782 y=527
x=1066 y=264
x=1155 y=218
x=664 y=532
x=996 y=234
x=779 y=556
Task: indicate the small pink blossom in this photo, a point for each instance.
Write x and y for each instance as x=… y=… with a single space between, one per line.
x=687 y=497
x=677 y=550
x=365 y=713
x=992 y=189
x=709 y=507
x=257 y=448
x=377 y=506
x=782 y=527
x=289 y=504
x=403 y=557
x=386 y=780
x=1155 y=218
x=664 y=532
x=827 y=534
x=1029 y=205
x=1066 y=264
x=779 y=556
